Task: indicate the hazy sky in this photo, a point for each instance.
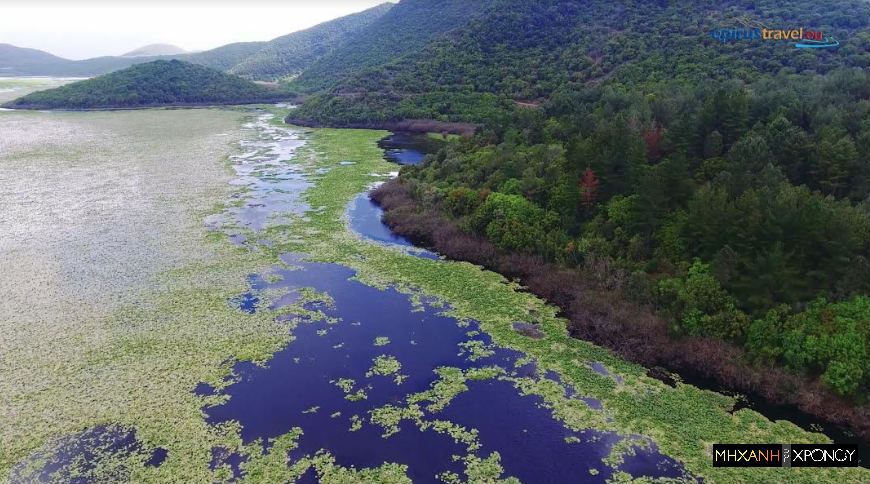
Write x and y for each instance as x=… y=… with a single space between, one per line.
x=82 y=29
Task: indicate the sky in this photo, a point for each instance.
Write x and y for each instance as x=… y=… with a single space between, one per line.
x=84 y=29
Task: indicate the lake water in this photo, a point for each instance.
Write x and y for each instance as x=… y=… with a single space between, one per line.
x=364 y=218
x=406 y=148
x=269 y=401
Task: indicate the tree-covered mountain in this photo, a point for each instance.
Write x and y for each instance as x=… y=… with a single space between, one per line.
x=156 y=83
x=408 y=27
x=723 y=184
x=529 y=50
x=290 y=54
x=225 y=57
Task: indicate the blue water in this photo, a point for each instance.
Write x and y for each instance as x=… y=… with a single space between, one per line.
x=364 y=218
x=403 y=148
x=269 y=401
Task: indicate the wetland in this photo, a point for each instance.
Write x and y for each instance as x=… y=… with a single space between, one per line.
x=209 y=296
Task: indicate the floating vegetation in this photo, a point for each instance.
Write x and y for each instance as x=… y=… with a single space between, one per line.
x=99 y=454
x=389 y=416
x=126 y=289
x=475 y=349
x=384 y=365
x=346 y=384
x=382 y=341
x=450 y=383
x=355 y=423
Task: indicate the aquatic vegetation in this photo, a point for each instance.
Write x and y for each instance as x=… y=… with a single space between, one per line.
x=13 y=87
x=384 y=365
x=272 y=466
x=475 y=349
x=355 y=423
x=139 y=313
x=382 y=341
x=100 y=454
x=389 y=416
x=486 y=470
x=450 y=383
x=330 y=473
x=346 y=384
x=459 y=434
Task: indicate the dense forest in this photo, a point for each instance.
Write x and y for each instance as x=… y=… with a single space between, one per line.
x=157 y=83
x=406 y=29
x=723 y=185
x=503 y=51
x=740 y=214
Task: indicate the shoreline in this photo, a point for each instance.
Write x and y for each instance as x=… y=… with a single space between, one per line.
x=408 y=125
x=138 y=108
x=601 y=320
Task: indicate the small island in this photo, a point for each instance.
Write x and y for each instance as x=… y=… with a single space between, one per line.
x=157 y=83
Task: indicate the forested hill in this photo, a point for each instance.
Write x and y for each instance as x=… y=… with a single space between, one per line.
x=157 y=83
x=532 y=49
x=290 y=54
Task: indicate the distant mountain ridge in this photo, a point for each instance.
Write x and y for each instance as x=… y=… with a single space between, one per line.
x=280 y=57
x=154 y=50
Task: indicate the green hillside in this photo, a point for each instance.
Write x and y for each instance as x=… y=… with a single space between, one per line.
x=156 y=83
x=406 y=28
x=223 y=58
x=528 y=50
x=290 y=54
